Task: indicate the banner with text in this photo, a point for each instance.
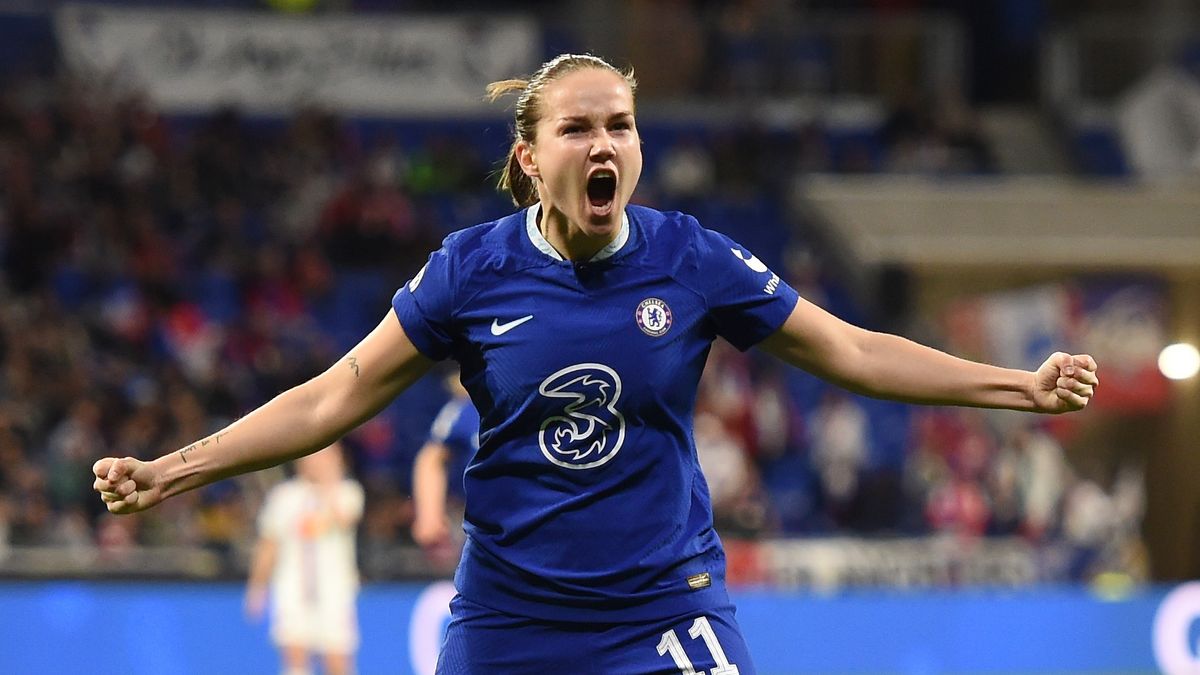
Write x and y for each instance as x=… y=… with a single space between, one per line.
x=828 y=564
x=188 y=60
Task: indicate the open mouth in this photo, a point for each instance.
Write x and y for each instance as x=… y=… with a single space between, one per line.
x=602 y=189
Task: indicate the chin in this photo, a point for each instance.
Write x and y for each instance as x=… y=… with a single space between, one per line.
x=605 y=222
x=601 y=228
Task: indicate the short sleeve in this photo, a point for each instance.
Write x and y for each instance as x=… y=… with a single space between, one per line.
x=462 y=439
x=270 y=525
x=425 y=306
x=439 y=431
x=352 y=499
x=746 y=300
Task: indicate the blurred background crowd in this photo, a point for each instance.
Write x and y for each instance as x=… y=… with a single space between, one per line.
x=163 y=273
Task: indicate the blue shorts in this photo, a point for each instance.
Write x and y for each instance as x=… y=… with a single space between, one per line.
x=482 y=641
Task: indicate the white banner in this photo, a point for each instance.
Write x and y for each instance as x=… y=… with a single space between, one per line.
x=925 y=562
x=188 y=60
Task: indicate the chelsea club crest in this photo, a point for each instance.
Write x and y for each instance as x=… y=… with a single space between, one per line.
x=653 y=317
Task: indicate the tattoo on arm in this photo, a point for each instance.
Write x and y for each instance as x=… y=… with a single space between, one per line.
x=184 y=452
x=354 y=364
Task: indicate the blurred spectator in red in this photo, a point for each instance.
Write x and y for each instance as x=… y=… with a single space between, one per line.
x=840 y=447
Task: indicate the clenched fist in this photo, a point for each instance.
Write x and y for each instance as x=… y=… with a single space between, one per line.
x=127 y=485
x=1065 y=383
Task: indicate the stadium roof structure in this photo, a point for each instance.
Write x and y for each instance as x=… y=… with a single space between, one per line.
x=1027 y=221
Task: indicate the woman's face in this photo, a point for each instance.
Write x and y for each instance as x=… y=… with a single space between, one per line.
x=586 y=156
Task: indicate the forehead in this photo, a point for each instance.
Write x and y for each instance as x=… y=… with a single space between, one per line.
x=590 y=91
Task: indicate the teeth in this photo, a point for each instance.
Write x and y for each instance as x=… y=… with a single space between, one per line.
x=604 y=173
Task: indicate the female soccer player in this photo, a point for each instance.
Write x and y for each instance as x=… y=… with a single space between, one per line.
x=453 y=438
x=581 y=324
x=304 y=563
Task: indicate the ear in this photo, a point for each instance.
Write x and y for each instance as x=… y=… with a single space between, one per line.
x=525 y=158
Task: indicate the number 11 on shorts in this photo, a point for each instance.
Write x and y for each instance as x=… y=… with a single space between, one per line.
x=700 y=629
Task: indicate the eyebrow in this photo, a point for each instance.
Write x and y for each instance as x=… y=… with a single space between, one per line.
x=585 y=118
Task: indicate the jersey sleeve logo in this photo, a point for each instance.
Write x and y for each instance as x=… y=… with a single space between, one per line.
x=590 y=431
x=757 y=265
x=416 y=281
x=752 y=262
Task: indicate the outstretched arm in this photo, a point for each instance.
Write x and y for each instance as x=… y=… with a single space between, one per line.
x=261 y=566
x=892 y=367
x=430 y=529
x=297 y=422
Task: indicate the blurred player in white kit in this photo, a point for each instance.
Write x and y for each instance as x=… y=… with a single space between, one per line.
x=305 y=562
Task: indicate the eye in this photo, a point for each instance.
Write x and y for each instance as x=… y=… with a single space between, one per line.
x=572 y=129
x=621 y=126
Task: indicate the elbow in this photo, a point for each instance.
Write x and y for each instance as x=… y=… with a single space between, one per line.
x=327 y=412
x=849 y=362
x=827 y=347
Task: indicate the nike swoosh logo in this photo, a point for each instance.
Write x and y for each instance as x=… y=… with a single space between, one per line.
x=499 y=329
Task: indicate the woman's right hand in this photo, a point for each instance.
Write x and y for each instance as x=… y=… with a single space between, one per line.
x=127 y=485
x=256 y=601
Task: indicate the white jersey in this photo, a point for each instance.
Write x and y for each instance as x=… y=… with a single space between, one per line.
x=316 y=574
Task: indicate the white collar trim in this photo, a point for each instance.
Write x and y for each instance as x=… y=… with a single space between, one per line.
x=539 y=241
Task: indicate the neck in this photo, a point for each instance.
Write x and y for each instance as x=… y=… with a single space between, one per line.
x=571 y=241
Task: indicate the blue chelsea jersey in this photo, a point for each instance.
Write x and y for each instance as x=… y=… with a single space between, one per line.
x=585 y=499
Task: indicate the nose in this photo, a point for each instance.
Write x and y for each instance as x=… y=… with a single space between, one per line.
x=602 y=146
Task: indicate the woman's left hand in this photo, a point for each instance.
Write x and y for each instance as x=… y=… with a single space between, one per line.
x=1065 y=383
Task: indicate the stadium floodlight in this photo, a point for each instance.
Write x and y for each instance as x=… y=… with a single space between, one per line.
x=1179 y=361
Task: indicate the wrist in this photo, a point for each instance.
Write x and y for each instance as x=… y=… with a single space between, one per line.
x=169 y=471
x=1031 y=391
